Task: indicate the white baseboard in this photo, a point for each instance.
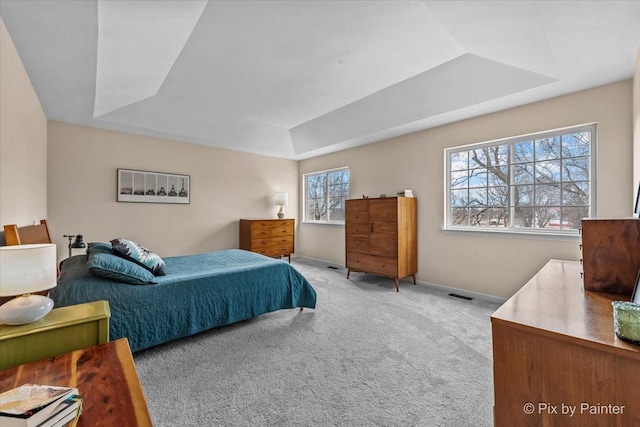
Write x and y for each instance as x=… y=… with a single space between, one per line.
x=464 y=292
x=448 y=289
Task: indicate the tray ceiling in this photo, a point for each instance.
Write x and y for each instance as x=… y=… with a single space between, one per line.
x=295 y=79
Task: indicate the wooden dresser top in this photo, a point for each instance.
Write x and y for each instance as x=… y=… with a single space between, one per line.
x=554 y=303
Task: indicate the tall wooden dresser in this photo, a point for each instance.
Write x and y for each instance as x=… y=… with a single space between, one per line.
x=270 y=237
x=381 y=237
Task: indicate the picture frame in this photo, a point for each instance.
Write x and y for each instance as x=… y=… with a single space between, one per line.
x=137 y=186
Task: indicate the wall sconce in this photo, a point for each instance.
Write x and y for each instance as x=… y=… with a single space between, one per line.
x=24 y=270
x=282 y=199
x=76 y=244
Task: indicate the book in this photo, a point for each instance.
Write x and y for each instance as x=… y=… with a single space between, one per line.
x=29 y=405
x=69 y=410
x=405 y=193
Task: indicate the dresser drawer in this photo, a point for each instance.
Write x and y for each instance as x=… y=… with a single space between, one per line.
x=355 y=244
x=357 y=230
x=372 y=264
x=274 y=250
x=271 y=228
x=354 y=216
x=270 y=242
x=383 y=227
x=360 y=205
x=383 y=244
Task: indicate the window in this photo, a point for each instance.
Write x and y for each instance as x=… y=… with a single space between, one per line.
x=325 y=194
x=535 y=183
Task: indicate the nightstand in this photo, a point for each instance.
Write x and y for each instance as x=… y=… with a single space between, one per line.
x=62 y=330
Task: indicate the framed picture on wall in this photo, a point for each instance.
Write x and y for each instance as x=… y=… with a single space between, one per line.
x=153 y=187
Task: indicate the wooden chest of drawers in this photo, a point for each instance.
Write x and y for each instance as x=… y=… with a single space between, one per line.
x=270 y=237
x=381 y=237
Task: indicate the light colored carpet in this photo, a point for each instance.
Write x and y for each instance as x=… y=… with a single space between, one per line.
x=367 y=356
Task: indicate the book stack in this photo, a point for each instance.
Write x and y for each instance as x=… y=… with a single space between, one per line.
x=405 y=193
x=33 y=405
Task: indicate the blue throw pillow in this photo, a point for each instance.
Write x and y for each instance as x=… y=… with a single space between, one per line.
x=110 y=266
x=140 y=255
x=99 y=247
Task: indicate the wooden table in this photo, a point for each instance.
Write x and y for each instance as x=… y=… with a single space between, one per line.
x=555 y=351
x=105 y=376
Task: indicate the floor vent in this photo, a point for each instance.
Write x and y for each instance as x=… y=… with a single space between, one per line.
x=461 y=296
x=332 y=267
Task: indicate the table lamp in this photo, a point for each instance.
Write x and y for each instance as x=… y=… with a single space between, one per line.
x=25 y=269
x=282 y=199
x=76 y=244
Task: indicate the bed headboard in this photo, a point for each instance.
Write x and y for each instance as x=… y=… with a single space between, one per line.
x=27 y=235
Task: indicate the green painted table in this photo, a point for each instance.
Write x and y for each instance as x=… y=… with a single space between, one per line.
x=62 y=330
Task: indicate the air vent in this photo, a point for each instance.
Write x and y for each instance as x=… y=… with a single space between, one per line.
x=332 y=267
x=461 y=297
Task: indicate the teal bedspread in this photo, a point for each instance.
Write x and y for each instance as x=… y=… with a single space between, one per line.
x=198 y=293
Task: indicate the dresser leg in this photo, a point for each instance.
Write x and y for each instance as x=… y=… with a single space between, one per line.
x=397 y=286
x=348 y=272
x=414 y=279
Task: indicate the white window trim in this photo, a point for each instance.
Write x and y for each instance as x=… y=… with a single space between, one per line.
x=304 y=196
x=538 y=234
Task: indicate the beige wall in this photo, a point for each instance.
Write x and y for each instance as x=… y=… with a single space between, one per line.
x=488 y=264
x=636 y=124
x=225 y=186
x=23 y=142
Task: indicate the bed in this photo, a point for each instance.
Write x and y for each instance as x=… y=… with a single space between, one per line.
x=199 y=292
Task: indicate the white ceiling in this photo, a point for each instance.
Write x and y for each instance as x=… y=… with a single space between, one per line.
x=295 y=79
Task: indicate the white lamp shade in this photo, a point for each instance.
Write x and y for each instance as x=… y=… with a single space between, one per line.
x=282 y=199
x=26 y=269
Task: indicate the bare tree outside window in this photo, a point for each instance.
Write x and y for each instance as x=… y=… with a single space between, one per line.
x=537 y=183
x=325 y=195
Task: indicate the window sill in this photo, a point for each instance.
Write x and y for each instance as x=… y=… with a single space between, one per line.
x=515 y=234
x=331 y=224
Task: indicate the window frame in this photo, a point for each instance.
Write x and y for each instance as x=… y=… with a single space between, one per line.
x=305 y=195
x=510 y=142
